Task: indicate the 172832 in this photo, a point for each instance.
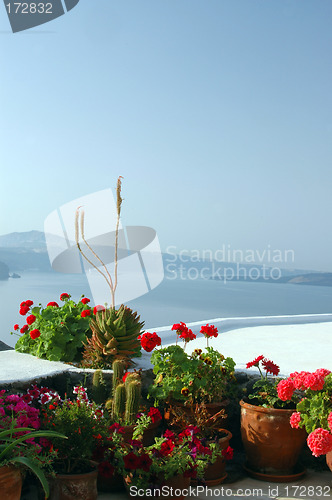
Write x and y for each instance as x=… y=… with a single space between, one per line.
x=29 y=8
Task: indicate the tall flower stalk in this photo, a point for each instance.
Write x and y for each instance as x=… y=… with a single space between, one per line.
x=79 y=232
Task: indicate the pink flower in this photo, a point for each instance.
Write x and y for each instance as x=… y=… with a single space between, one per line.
x=285 y=389
x=329 y=420
x=295 y=419
x=314 y=382
x=320 y=442
x=323 y=372
x=85 y=300
x=298 y=379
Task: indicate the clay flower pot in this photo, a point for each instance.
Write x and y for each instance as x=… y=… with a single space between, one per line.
x=272 y=446
x=215 y=473
x=329 y=460
x=74 y=486
x=10 y=483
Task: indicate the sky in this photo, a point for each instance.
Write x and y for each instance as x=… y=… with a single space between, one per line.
x=217 y=113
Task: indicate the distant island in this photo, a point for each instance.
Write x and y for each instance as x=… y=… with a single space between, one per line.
x=27 y=251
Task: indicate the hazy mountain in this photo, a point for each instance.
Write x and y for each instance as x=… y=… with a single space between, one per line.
x=4 y=271
x=29 y=239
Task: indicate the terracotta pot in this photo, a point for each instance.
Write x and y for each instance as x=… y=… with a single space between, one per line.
x=215 y=473
x=10 y=483
x=329 y=460
x=74 y=486
x=272 y=446
x=148 y=435
x=176 y=483
x=212 y=409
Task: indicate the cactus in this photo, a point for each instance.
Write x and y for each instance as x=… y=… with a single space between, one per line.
x=119 y=402
x=99 y=392
x=126 y=396
x=133 y=398
x=114 y=335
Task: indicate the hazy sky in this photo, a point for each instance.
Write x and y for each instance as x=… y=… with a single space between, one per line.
x=217 y=113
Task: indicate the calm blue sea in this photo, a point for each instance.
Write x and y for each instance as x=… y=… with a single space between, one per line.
x=172 y=301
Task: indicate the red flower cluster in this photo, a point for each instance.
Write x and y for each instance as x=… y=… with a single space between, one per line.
x=320 y=442
x=307 y=380
x=116 y=428
x=149 y=341
x=86 y=313
x=154 y=414
x=285 y=389
x=24 y=328
x=85 y=300
x=209 y=331
x=97 y=309
x=295 y=419
x=34 y=334
x=53 y=304
x=25 y=306
x=31 y=319
x=16 y=327
x=166 y=448
x=64 y=296
x=133 y=461
x=329 y=420
x=105 y=469
x=183 y=331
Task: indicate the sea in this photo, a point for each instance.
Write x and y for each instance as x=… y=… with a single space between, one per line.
x=172 y=301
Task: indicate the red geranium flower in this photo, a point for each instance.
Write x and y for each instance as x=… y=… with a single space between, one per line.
x=131 y=461
x=295 y=419
x=52 y=304
x=31 y=319
x=29 y=303
x=285 y=389
x=179 y=327
x=149 y=341
x=187 y=335
x=64 y=296
x=86 y=313
x=169 y=434
x=23 y=310
x=98 y=308
x=16 y=327
x=24 y=328
x=209 y=331
x=34 y=334
x=320 y=442
x=116 y=428
x=85 y=300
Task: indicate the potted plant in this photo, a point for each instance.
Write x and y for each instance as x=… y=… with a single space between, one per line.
x=210 y=431
x=56 y=333
x=21 y=447
x=200 y=377
x=168 y=464
x=272 y=446
x=314 y=411
x=84 y=424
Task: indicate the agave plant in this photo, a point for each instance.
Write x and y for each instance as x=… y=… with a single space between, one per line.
x=115 y=335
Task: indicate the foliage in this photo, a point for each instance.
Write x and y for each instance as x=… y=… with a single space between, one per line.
x=265 y=389
x=55 y=333
x=115 y=335
x=83 y=422
x=169 y=456
x=198 y=377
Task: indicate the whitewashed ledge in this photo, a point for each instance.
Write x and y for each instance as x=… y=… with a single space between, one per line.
x=301 y=342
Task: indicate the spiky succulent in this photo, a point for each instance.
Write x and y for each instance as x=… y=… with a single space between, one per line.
x=115 y=335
